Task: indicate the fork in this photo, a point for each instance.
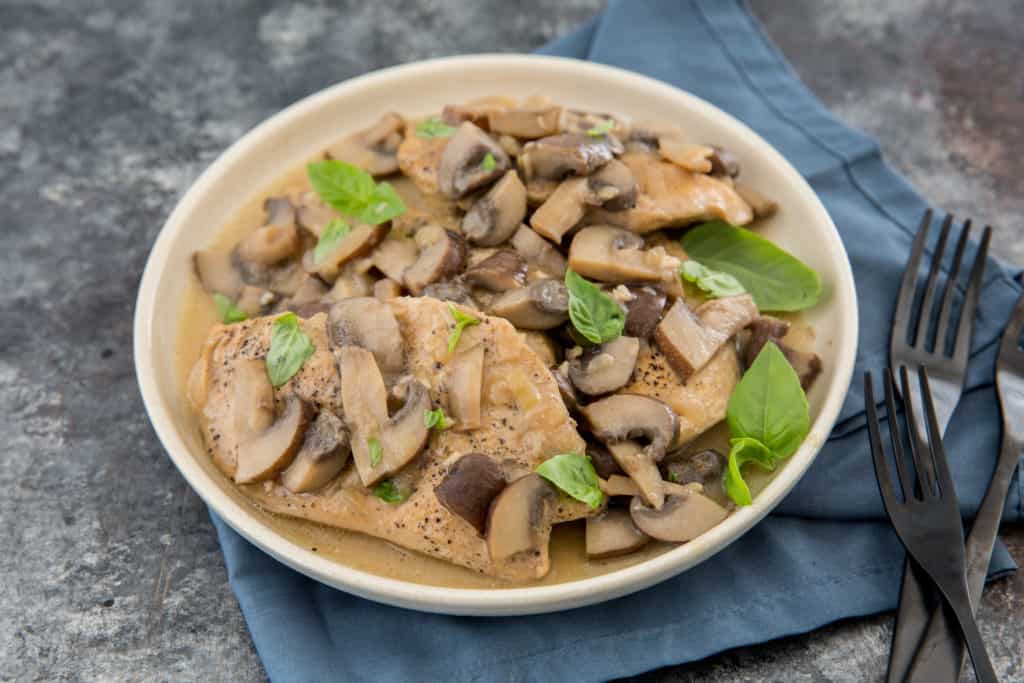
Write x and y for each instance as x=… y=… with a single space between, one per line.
x=928 y=523
x=909 y=344
x=940 y=655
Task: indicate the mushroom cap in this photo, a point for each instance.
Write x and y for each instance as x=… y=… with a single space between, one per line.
x=613 y=533
x=612 y=187
x=525 y=122
x=371 y=324
x=562 y=210
x=263 y=455
x=375 y=149
x=360 y=240
x=503 y=270
x=610 y=254
x=684 y=516
x=472 y=482
x=542 y=305
x=494 y=217
x=538 y=252
x=519 y=528
x=217 y=273
x=324 y=452
x=626 y=417
x=603 y=461
x=605 y=367
x=705 y=468
x=559 y=156
x=442 y=255
x=462 y=167
x=643 y=311
x=455 y=290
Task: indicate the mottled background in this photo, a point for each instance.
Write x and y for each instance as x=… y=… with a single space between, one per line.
x=108 y=110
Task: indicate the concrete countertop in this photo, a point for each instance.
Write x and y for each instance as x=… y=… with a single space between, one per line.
x=109 y=110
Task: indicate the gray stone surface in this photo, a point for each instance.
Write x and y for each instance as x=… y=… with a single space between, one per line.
x=108 y=110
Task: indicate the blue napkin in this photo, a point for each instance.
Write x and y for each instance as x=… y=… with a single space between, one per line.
x=826 y=553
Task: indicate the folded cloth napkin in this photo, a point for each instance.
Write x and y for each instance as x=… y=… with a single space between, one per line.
x=825 y=554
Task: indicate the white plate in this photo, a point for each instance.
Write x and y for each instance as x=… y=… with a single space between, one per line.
x=295 y=134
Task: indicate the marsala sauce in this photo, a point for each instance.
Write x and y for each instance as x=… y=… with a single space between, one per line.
x=376 y=556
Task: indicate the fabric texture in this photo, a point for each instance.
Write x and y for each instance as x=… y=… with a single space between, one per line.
x=826 y=553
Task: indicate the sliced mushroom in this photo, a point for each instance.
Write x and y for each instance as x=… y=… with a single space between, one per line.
x=615 y=255
x=450 y=290
x=263 y=455
x=696 y=158
x=542 y=305
x=807 y=364
x=577 y=121
x=565 y=389
x=269 y=245
x=494 y=217
x=311 y=289
x=512 y=146
x=603 y=368
x=603 y=461
x=386 y=289
x=613 y=533
x=368 y=323
x=394 y=255
x=724 y=162
x=255 y=301
x=527 y=123
x=559 y=156
x=643 y=311
x=463 y=167
x=762 y=206
x=465 y=384
x=279 y=211
x=313 y=214
x=539 y=189
x=471 y=484
x=252 y=404
x=501 y=271
x=519 y=528
x=323 y=455
x=613 y=187
x=705 y=468
x=476 y=110
x=689 y=339
x=359 y=241
x=442 y=254
x=683 y=517
x=617 y=485
x=562 y=210
x=353 y=280
x=642 y=470
x=217 y=273
x=538 y=252
x=375 y=149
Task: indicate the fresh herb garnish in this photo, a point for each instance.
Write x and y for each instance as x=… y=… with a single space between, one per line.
x=714 y=283
x=376 y=452
x=227 y=310
x=435 y=419
x=489 y=162
x=289 y=349
x=602 y=128
x=593 y=313
x=434 y=127
x=574 y=474
x=335 y=231
x=768 y=418
x=389 y=493
x=352 y=191
x=462 y=321
x=776 y=279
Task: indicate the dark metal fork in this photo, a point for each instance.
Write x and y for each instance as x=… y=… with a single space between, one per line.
x=940 y=655
x=920 y=338
x=927 y=517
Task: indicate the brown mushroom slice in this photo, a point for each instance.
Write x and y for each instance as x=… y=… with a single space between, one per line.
x=705 y=468
x=519 y=528
x=394 y=255
x=643 y=311
x=613 y=533
x=323 y=455
x=269 y=245
x=566 y=390
x=612 y=187
x=690 y=338
x=386 y=289
x=578 y=121
x=450 y=290
x=539 y=189
x=252 y=404
x=641 y=468
x=217 y=273
x=724 y=163
x=559 y=156
x=255 y=301
x=525 y=122
x=463 y=167
x=311 y=289
x=501 y=271
x=606 y=367
x=375 y=149
x=314 y=214
x=368 y=323
x=696 y=158
x=562 y=210
x=538 y=252
x=353 y=280
x=494 y=217
x=615 y=255
x=807 y=364
x=616 y=485
x=762 y=206
x=465 y=384
x=359 y=241
x=279 y=211
x=442 y=255
x=684 y=516
x=263 y=455
x=471 y=484
x=603 y=461
x=542 y=305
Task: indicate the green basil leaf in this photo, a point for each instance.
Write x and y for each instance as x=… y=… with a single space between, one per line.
x=714 y=283
x=289 y=349
x=352 y=191
x=389 y=493
x=593 y=313
x=227 y=310
x=434 y=127
x=574 y=474
x=489 y=162
x=435 y=419
x=376 y=452
x=741 y=452
x=335 y=231
x=602 y=128
x=776 y=279
x=462 y=321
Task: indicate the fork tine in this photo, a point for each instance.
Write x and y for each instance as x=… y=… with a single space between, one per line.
x=1011 y=335
x=938 y=452
x=922 y=461
x=925 y=316
x=947 y=296
x=906 y=483
x=962 y=343
x=901 y=320
x=877 y=451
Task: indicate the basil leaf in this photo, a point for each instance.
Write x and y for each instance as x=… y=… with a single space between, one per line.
x=352 y=191
x=602 y=128
x=489 y=162
x=376 y=452
x=435 y=419
x=462 y=321
x=289 y=349
x=335 y=231
x=741 y=452
x=434 y=127
x=776 y=279
x=574 y=474
x=593 y=313
x=715 y=284
x=389 y=493
x=227 y=310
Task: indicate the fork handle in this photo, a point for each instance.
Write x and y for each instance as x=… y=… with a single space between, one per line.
x=983 y=669
x=915 y=608
x=940 y=657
